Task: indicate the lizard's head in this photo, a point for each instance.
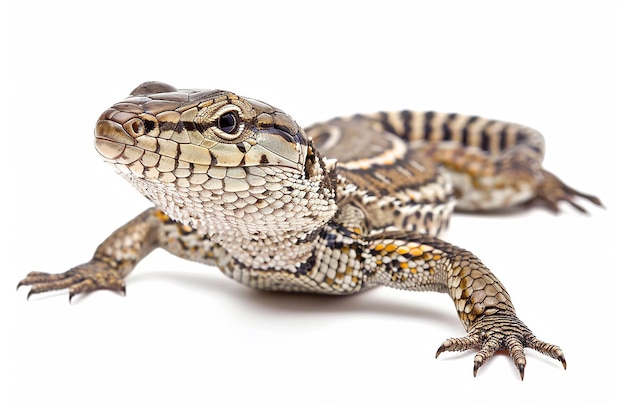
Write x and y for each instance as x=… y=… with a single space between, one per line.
x=215 y=160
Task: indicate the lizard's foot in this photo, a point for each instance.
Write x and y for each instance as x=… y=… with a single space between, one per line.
x=501 y=332
x=93 y=275
x=552 y=190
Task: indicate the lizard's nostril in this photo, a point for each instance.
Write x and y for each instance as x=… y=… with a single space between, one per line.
x=140 y=126
x=135 y=127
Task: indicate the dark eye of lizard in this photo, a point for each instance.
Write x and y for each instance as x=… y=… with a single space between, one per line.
x=228 y=122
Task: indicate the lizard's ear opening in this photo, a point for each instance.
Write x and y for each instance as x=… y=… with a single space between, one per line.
x=329 y=164
x=316 y=165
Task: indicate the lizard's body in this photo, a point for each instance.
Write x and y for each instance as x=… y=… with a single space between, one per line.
x=238 y=184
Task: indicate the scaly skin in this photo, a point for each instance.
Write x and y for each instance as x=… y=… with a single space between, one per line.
x=238 y=185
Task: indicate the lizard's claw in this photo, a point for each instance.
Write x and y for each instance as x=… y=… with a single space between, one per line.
x=501 y=332
x=93 y=275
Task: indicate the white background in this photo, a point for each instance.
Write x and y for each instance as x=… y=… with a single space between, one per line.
x=185 y=335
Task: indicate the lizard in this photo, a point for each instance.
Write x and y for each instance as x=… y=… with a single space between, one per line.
x=337 y=208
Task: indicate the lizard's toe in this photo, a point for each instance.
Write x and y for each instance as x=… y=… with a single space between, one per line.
x=459 y=344
x=516 y=351
x=487 y=349
x=547 y=349
x=40 y=282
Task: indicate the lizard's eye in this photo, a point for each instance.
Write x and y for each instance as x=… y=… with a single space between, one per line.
x=228 y=122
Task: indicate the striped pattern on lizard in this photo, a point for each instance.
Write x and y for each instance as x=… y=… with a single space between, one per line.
x=338 y=208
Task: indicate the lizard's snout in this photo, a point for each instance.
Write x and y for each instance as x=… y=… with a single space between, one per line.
x=126 y=138
x=111 y=138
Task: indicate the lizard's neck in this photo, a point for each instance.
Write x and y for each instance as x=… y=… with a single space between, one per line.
x=254 y=212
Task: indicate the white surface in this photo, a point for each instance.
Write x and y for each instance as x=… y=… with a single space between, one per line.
x=186 y=335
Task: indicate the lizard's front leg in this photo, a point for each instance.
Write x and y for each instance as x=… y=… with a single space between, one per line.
x=113 y=260
x=417 y=262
